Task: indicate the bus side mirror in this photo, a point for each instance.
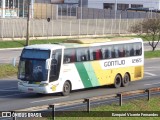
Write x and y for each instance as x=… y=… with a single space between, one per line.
x=48 y=64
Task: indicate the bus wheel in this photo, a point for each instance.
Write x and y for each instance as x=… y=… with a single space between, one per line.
x=117 y=81
x=66 y=88
x=125 y=80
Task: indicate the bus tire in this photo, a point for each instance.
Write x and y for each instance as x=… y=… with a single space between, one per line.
x=126 y=80
x=66 y=88
x=117 y=81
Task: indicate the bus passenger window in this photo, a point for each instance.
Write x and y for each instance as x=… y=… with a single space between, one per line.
x=95 y=53
x=98 y=54
x=113 y=53
x=116 y=51
x=69 y=55
x=107 y=53
x=72 y=59
x=121 y=51
x=127 y=50
x=132 y=52
x=83 y=58
x=138 y=49
x=82 y=54
x=67 y=59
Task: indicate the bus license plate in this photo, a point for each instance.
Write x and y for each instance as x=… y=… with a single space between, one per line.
x=30 y=89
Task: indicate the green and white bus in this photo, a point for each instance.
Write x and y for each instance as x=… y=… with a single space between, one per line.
x=52 y=68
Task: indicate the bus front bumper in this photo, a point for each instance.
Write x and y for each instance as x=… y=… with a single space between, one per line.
x=34 y=89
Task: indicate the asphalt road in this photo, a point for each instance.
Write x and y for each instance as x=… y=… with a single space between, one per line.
x=12 y=99
x=8 y=56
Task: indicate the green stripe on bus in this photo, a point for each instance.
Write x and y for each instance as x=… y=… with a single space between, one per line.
x=91 y=74
x=83 y=75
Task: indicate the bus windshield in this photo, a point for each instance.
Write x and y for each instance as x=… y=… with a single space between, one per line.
x=32 y=65
x=32 y=70
x=35 y=54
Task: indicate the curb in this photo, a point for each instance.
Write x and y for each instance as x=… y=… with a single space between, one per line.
x=11 y=49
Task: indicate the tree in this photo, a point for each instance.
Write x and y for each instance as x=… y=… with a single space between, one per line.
x=148 y=29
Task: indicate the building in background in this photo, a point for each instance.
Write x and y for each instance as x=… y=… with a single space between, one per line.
x=19 y=8
x=14 y=8
x=121 y=4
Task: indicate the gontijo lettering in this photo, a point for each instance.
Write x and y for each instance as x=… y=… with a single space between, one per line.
x=114 y=63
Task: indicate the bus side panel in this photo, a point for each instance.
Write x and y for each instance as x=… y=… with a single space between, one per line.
x=70 y=73
x=138 y=73
x=107 y=76
x=83 y=73
x=132 y=70
x=92 y=76
x=102 y=75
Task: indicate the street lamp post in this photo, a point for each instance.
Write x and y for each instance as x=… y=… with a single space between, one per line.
x=28 y=23
x=115 y=9
x=32 y=8
x=81 y=9
x=3 y=9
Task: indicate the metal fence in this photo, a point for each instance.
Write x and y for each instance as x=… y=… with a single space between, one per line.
x=16 y=28
x=93 y=13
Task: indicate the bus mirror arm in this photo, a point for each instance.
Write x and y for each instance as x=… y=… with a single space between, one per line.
x=48 y=64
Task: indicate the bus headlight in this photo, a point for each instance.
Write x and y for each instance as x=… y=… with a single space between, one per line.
x=43 y=84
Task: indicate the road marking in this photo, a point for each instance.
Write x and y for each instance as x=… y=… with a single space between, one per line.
x=152 y=84
x=152 y=67
x=8 y=90
x=48 y=99
x=151 y=74
x=9 y=49
x=4 y=118
x=150 y=70
x=12 y=95
x=147 y=76
x=155 y=58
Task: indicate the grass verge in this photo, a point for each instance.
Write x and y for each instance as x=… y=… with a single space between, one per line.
x=152 y=54
x=134 y=105
x=7 y=70
x=21 y=43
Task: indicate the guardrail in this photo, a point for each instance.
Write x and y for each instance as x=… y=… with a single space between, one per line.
x=89 y=100
x=92 y=99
